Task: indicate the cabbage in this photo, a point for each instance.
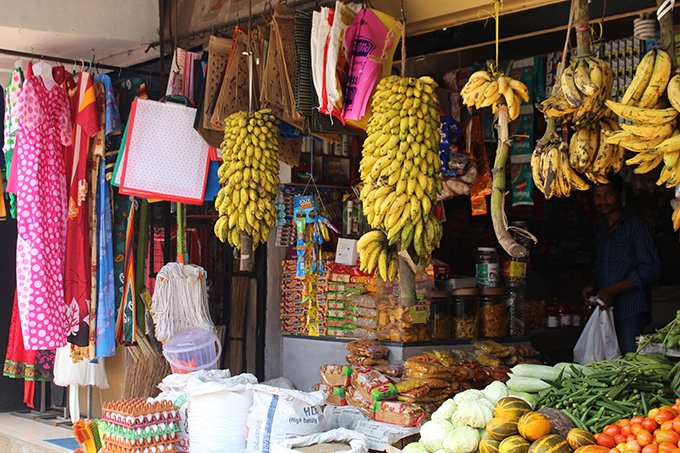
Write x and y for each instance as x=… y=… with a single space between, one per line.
x=461 y=440
x=446 y=410
x=469 y=394
x=440 y=451
x=433 y=433
x=414 y=447
x=455 y=422
x=474 y=413
x=495 y=391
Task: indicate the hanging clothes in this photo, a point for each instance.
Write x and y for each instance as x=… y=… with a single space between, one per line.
x=77 y=288
x=113 y=124
x=11 y=123
x=106 y=306
x=21 y=363
x=44 y=130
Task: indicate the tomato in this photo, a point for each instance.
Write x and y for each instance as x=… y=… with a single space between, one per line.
x=623 y=422
x=649 y=424
x=667 y=447
x=630 y=437
x=671 y=409
x=676 y=424
x=636 y=419
x=605 y=440
x=652 y=412
x=625 y=430
x=612 y=430
x=667 y=425
x=663 y=436
x=663 y=416
x=651 y=448
x=633 y=446
x=620 y=439
x=644 y=437
x=614 y=450
x=635 y=428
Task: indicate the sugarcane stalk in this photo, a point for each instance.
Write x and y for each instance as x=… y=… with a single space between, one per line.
x=667 y=35
x=246 y=262
x=500 y=225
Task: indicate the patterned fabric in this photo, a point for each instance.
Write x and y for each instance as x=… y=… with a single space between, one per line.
x=121 y=210
x=44 y=128
x=127 y=314
x=106 y=305
x=627 y=252
x=113 y=124
x=77 y=289
x=19 y=362
x=11 y=123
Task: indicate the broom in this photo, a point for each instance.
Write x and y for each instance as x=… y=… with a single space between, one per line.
x=145 y=368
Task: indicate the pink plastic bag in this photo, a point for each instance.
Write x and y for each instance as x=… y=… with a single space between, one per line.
x=373 y=46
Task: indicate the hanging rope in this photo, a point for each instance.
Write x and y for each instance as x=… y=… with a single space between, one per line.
x=403 y=40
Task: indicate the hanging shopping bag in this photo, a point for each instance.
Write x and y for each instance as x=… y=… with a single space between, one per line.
x=164 y=157
x=598 y=339
x=373 y=37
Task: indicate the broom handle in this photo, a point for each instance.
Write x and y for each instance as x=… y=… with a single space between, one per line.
x=181 y=233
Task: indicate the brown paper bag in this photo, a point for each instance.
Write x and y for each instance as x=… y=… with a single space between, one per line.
x=218 y=54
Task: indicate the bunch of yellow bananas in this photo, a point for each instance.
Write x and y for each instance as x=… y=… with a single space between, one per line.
x=591 y=154
x=553 y=175
x=676 y=218
x=250 y=174
x=651 y=130
x=585 y=85
x=400 y=169
x=377 y=255
x=484 y=90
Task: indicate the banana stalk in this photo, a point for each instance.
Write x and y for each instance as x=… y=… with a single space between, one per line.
x=500 y=225
x=407 y=282
x=667 y=34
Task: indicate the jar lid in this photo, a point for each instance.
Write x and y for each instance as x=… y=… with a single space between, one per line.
x=492 y=291
x=465 y=292
x=486 y=249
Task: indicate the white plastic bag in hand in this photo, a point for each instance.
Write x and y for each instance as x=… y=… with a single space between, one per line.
x=598 y=339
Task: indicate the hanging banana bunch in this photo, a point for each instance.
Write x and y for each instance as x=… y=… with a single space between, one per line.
x=250 y=174
x=400 y=169
x=651 y=128
x=486 y=90
x=553 y=175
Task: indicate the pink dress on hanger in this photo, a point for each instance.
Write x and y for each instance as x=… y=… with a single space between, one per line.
x=44 y=130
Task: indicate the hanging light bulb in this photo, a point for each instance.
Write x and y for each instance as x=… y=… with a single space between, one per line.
x=644 y=28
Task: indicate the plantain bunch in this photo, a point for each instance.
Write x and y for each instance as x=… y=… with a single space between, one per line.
x=552 y=172
x=486 y=90
x=400 y=169
x=584 y=87
x=250 y=177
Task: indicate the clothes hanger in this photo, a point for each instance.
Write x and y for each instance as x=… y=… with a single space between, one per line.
x=44 y=70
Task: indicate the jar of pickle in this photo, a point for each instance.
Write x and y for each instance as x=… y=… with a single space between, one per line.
x=465 y=313
x=440 y=318
x=492 y=312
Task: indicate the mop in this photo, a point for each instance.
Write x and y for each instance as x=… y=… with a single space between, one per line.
x=180 y=300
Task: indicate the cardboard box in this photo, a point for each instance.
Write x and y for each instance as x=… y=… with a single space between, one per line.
x=346 y=252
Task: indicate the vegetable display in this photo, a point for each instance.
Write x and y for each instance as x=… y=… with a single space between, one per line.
x=610 y=390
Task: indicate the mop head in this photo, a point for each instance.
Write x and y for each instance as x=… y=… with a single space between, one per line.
x=180 y=301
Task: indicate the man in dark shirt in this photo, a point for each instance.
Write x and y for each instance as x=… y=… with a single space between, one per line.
x=627 y=263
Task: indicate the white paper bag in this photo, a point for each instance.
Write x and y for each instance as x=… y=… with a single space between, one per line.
x=598 y=339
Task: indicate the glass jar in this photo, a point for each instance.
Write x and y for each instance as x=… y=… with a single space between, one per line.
x=488 y=275
x=465 y=313
x=492 y=312
x=440 y=318
x=565 y=316
x=553 y=317
x=515 y=296
x=576 y=316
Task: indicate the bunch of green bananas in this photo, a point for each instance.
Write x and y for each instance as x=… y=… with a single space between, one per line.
x=250 y=174
x=591 y=154
x=585 y=85
x=484 y=89
x=400 y=169
x=551 y=170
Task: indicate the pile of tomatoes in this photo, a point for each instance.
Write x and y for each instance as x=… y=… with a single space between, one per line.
x=659 y=432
